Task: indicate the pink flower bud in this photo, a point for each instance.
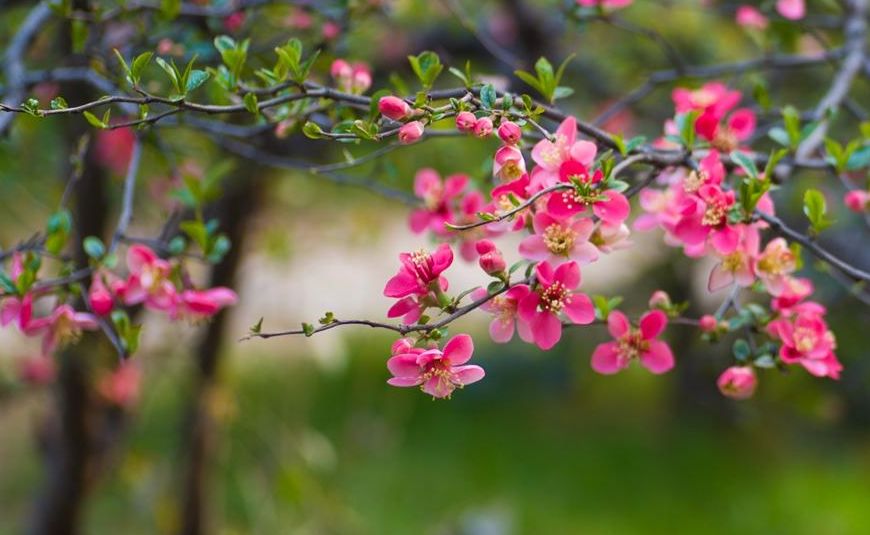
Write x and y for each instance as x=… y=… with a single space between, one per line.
x=751 y=17
x=361 y=79
x=410 y=132
x=101 y=300
x=402 y=345
x=491 y=260
x=394 y=108
x=465 y=121
x=483 y=127
x=857 y=200
x=510 y=132
x=234 y=22
x=737 y=382
x=659 y=300
x=340 y=69
x=708 y=323
x=330 y=30
x=791 y=9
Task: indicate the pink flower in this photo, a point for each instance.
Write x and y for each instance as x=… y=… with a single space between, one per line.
x=201 y=304
x=418 y=272
x=660 y=300
x=550 y=155
x=330 y=30
x=751 y=17
x=491 y=260
x=791 y=9
x=121 y=387
x=774 y=265
x=807 y=341
x=737 y=266
x=609 y=237
x=410 y=132
x=101 y=299
x=465 y=121
x=148 y=281
x=505 y=308
x=737 y=382
x=609 y=205
x=708 y=323
x=559 y=240
x=114 y=148
x=18 y=310
x=706 y=215
x=630 y=344
x=63 y=325
x=394 y=108
x=712 y=96
x=436 y=372
x=554 y=294
x=356 y=78
x=505 y=195
x=857 y=200
x=439 y=200
x=794 y=290
x=483 y=127
x=607 y=4
x=508 y=163
x=234 y=22
x=37 y=370
x=510 y=133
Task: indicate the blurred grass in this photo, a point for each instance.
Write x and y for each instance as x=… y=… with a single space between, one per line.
x=541 y=446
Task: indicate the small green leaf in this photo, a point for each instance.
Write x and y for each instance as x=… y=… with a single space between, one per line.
x=741 y=349
x=488 y=96
x=58 y=103
x=251 y=103
x=195 y=79
x=745 y=162
x=815 y=208
x=93 y=247
x=94 y=120
x=308 y=329
x=312 y=130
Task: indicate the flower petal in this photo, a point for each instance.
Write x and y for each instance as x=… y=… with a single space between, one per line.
x=659 y=358
x=653 y=323
x=459 y=349
x=617 y=324
x=606 y=359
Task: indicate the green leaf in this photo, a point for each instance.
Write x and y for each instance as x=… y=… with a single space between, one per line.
x=138 y=65
x=686 y=126
x=170 y=9
x=308 y=329
x=122 y=61
x=195 y=79
x=791 y=118
x=94 y=120
x=745 y=162
x=6 y=284
x=58 y=103
x=531 y=80
x=256 y=328
x=312 y=130
x=775 y=157
x=427 y=66
x=172 y=71
x=251 y=103
x=93 y=247
x=815 y=208
x=488 y=96
x=779 y=135
x=741 y=349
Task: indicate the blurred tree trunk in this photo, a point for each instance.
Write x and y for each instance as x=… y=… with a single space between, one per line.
x=234 y=210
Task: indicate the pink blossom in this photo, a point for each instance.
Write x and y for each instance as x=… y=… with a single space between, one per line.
x=121 y=387
x=410 y=132
x=505 y=309
x=857 y=200
x=607 y=4
x=100 y=297
x=554 y=294
x=774 y=265
x=550 y=155
x=608 y=237
x=559 y=240
x=491 y=260
x=712 y=96
x=794 y=290
x=634 y=344
x=114 y=148
x=738 y=266
x=706 y=216
x=63 y=325
x=202 y=304
x=751 y=17
x=394 y=108
x=609 y=205
x=37 y=370
x=148 y=281
x=738 y=382
x=708 y=323
x=418 y=272
x=465 y=121
x=510 y=133
x=508 y=163
x=791 y=9
x=660 y=300
x=330 y=30
x=806 y=340
x=483 y=127
x=436 y=372
x=505 y=195
x=234 y=22
x=356 y=78
x=439 y=201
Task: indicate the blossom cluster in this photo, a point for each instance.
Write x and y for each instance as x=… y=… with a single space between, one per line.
x=565 y=201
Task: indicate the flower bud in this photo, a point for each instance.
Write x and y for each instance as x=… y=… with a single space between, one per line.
x=100 y=298
x=660 y=300
x=708 y=323
x=394 y=108
x=510 y=132
x=857 y=200
x=402 y=345
x=340 y=69
x=465 y=121
x=737 y=382
x=483 y=127
x=361 y=80
x=491 y=260
x=410 y=132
